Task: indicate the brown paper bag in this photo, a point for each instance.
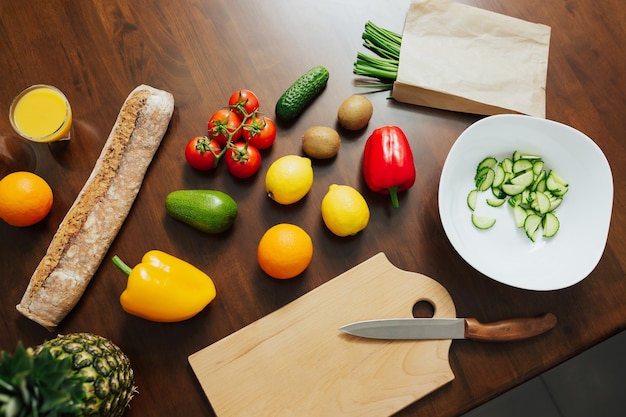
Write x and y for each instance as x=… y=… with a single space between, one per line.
x=461 y=58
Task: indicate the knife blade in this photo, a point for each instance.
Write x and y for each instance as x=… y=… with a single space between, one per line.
x=452 y=328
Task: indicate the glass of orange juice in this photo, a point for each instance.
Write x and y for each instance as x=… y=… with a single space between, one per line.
x=41 y=113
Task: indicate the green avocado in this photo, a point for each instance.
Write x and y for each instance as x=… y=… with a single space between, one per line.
x=210 y=211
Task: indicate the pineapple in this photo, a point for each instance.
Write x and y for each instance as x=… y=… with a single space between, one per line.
x=79 y=374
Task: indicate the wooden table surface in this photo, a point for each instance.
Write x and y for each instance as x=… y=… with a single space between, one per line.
x=201 y=51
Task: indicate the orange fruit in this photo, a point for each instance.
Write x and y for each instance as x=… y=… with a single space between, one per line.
x=284 y=251
x=25 y=198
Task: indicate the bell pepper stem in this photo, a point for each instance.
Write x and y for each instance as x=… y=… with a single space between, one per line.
x=121 y=265
x=393 y=192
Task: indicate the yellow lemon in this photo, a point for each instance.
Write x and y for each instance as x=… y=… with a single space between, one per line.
x=344 y=210
x=289 y=179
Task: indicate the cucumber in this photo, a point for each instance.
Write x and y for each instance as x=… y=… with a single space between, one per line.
x=482 y=222
x=488 y=162
x=512 y=189
x=300 y=94
x=539 y=202
x=538 y=166
x=515 y=200
x=555 y=184
x=531 y=226
x=495 y=202
x=209 y=211
x=524 y=179
x=539 y=180
x=498 y=193
x=519 y=214
x=550 y=224
x=507 y=165
x=499 y=176
x=555 y=203
x=532 y=192
x=484 y=178
x=522 y=165
x=471 y=199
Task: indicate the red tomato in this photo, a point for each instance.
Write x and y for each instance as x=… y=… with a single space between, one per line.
x=259 y=131
x=243 y=103
x=242 y=160
x=222 y=124
x=200 y=153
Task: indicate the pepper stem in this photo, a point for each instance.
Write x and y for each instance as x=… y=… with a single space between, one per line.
x=121 y=265
x=393 y=192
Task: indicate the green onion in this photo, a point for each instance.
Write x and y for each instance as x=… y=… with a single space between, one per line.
x=382 y=68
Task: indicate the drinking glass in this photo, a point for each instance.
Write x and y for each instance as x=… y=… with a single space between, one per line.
x=41 y=113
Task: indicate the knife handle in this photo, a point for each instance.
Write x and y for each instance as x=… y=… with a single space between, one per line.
x=507 y=330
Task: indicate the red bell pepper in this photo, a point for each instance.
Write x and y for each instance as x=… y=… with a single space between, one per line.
x=388 y=162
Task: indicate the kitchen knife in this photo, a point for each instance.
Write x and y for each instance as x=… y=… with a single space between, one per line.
x=451 y=328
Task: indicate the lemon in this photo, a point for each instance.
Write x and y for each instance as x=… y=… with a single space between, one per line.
x=344 y=210
x=289 y=179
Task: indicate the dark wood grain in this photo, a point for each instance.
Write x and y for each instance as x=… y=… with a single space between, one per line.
x=201 y=51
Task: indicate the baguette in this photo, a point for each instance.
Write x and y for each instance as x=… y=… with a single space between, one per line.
x=94 y=219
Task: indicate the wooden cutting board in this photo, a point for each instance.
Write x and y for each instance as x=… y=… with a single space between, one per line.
x=295 y=361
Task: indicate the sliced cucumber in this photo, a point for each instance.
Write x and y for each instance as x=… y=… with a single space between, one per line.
x=538 y=167
x=554 y=204
x=524 y=179
x=519 y=214
x=498 y=178
x=488 y=162
x=557 y=178
x=471 y=199
x=539 y=178
x=540 y=202
x=512 y=189
x=531 y=226
x=557 y=185
x=495 y=202
x=507 y=165
x=498 y=193
x=525 y=199
x=515 y=200
x=522 y=165
x=482 y=222
x=532 y=192
x=484 y=178
x=541 y=185
x=550 y=224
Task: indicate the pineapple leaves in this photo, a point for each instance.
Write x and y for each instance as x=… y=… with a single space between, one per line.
x=37 y=384
x=71 y=375
x=60 y=388
x=14 y=371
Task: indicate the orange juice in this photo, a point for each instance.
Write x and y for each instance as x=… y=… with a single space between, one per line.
x=41 y=113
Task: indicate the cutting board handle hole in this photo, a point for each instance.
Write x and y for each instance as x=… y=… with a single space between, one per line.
x=423 y=309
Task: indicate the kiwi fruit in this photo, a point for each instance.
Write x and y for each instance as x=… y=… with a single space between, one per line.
x=321 y=142
x=355 y=112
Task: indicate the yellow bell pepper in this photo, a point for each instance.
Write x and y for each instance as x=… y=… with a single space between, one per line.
x=164 y=288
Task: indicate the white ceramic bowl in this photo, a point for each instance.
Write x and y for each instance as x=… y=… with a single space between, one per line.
x=504 y=252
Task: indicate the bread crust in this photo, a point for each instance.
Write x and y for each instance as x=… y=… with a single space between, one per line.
x=94 y=219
